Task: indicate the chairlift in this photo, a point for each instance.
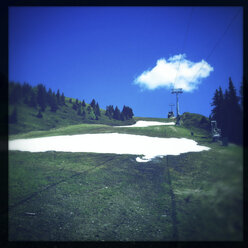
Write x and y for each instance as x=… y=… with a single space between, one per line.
x=216 y=132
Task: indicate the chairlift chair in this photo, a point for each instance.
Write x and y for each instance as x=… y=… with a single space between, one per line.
x=216 y=132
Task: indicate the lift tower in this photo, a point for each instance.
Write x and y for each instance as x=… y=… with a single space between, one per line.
x=177 y=91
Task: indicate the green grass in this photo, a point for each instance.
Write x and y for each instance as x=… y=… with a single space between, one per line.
x=89 y=196
x=64 y=116
x=153 y=131
x=92 y=197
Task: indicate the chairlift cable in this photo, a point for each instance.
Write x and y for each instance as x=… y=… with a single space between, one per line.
x=218 y=41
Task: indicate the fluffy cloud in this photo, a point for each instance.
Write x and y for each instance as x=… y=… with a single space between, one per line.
x=185 y=74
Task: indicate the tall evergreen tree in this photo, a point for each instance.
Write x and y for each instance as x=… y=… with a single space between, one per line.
x=58 y=97
x=83 y=103
x=74 y=106
x=49 y=97
x=218 y=112
x=15 y=93
x=117 y=114
x=109 y=111
x=235 y=111
x=126 y=113
x=97 y=110
x=54 y=104
x=89 y=109
x=33 y=100
x=62 y=99
x=90 y=112
x=93 y=103
x=26 y=92
x=41 y=96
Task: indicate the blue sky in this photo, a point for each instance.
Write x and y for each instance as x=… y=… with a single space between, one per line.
x=102 y=53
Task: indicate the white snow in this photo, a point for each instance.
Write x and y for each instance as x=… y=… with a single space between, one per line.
x=149 y=123
x=147 y=147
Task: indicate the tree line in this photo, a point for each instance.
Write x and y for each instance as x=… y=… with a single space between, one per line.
x=228 y=112
x=36 y=96
x=92 y=111
x=115 y=113
x=39 y=98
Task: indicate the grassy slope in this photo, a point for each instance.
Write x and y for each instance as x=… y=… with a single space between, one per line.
x=64 y=116
x=89 y=196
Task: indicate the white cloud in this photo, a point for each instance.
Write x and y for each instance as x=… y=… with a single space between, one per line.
x=185 y=74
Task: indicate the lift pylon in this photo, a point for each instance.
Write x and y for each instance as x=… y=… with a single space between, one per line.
x=177 y=91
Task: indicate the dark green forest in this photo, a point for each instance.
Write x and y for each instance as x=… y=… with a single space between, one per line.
x=228 y=112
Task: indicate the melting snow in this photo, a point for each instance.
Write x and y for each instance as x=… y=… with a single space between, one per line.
x=149 y=123
x=147 y=147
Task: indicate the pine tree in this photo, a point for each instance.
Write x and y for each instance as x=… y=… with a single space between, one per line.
x=117 y=114
x=83 y=103
x=93 y=103
x=62 y=99
x=15 y=93
x=126 y=113
x=215 y=103
x=76 y=101
x=123 y=113
x=235 y=112
x=54 y=104
x=41 y=96
x=74 y=106
x=109 y=111
x=91 y=114
x=97 y=110
x=70 y=100
x=58 y=97
x=49 y=97
x=89 y=109
x=26 y=92
x=33 y=100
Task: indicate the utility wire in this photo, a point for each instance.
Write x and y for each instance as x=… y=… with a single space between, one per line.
x=229 y=25
x=218 y=41
x=184 y=43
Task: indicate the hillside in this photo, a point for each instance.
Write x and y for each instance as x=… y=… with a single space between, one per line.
x=195 y=121
x=64 y=116
x=75 y=196
x=34 y=108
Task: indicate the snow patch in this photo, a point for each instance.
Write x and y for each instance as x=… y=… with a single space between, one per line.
x=149 y=123
x=147 y=147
